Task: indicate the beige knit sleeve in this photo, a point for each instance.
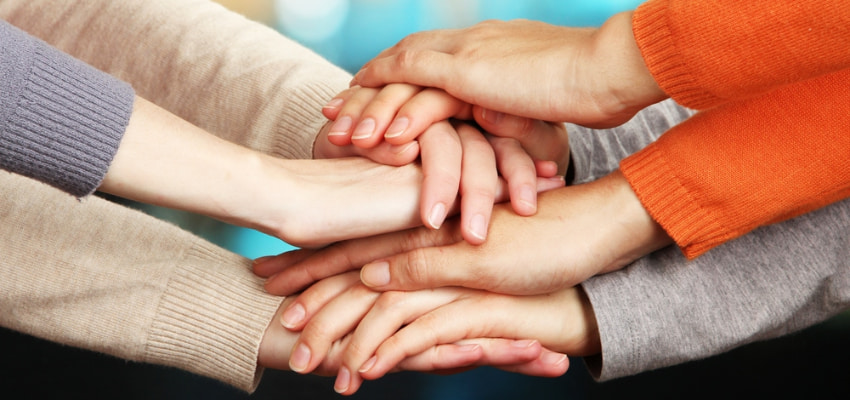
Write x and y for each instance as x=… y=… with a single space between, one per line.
x=96 y=275
x=231 y=76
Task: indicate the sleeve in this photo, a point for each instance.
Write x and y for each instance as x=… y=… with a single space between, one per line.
x=114 y=280
x=61 y=121
x=733 y=168
x=235 y=78
x=664 y=310
x=704 y=54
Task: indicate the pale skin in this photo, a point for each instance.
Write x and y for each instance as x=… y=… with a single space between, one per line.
x=164 y=160
x=383 y=329
x=589 y=76
x=524 y=356
x=399 y=114
x=579 y=231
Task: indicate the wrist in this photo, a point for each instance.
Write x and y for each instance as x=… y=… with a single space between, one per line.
x=630 y=82
x=637 y=234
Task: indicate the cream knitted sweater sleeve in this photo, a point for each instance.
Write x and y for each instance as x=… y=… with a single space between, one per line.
x=234 y=77
x=98 y=276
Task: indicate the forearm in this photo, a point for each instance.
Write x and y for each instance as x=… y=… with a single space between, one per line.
x=733 y=168
x=687 y=46
x=192 y=57
x=664 y=310
x=102 y=277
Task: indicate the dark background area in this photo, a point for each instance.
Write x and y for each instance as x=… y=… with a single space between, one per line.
x=814 y=363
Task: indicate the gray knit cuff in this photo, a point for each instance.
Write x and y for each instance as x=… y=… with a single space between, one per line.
x=61 y=120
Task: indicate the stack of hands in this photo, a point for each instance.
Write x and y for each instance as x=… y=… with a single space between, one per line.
x=479 y=283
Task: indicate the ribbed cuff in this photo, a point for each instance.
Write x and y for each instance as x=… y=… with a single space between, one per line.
x=65 y=119
x=304 y=110
x=670 y=204
x=650 y=25
x=211 y=324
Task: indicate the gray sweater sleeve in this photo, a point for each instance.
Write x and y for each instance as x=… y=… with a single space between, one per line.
x=664 y=310
x=61 y=120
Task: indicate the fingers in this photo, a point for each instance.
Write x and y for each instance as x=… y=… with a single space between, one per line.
x=425 y=108
x=293 y=271
x=366 y=112
x=302 y=307
x=442 y=155
x=390 y=312
x=519 y=171
x=336 y=318
x=542 y=140
x=418 y=67
x=479 y=180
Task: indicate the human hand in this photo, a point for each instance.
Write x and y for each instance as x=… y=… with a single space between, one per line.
x=458 y=159
x=522 y=356
x=592 y=77
x=414 y=112
x=333 y=307
x=579 y=231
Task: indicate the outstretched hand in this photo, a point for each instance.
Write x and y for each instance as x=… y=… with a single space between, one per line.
x=587 y=76
x=579 y=231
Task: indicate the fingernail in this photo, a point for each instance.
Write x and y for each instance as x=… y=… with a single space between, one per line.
x=493 y=117
x=261 y=260
x=368 y=365
x=334 y=103
x=553 y=358
x=343 y=380
x=300 y=358
x=468 y=347
x=526 y=195
x=293 y=315
x=340 y=126
x=478 y=226
x=523 y=343
x=364 y=129
x=375 y=274
x=437 y=215
x=397 y=127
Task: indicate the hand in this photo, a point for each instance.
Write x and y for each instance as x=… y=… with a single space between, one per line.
x=592 y=77
x=521 y=356
x=414 y=111
x=337 y=304
x=578 y=232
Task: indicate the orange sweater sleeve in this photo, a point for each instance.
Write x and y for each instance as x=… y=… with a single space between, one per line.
x=735 y=167
x=705 y=53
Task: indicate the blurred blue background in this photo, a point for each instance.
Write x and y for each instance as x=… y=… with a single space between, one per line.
x=812 y=363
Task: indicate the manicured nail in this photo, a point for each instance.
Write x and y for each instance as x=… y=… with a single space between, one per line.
x=478 y=226
x=334 y=103
x=343 y=380
x=553 y=358
x=493 y=117
x=397 y=127
x=437 y=215
x=368 y=365
x=300 y=358
x=340 y=126
x=364 y=129
x=375 y=274
x=292 y=316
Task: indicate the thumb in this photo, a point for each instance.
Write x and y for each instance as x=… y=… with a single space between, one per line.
x=423 y=268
